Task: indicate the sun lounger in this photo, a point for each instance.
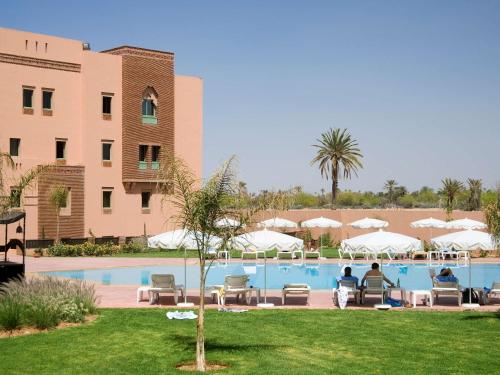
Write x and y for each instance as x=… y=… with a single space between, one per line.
x=296 y=289
x=446 y=289
x=237 y=285
x=350 y=286
x=164 y=284
x=495 y=289
x=284 y=254
x=374 y=285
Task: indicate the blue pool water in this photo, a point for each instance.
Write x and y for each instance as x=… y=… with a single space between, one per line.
x=318 y=276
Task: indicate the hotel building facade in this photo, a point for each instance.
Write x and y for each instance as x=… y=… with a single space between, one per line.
x=105 y=119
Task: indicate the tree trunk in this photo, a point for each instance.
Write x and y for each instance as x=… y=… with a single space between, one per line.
x=57 y=227
x=335 y=186
x=200 y=327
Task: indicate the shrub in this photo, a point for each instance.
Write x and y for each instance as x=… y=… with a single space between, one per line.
x=325 y=240
x=133 y=247
x=45 y=302
x=85 y=249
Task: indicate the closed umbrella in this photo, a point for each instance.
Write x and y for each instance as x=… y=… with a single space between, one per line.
x=264 y=240
x=321 y=222
x=465 y=224
x=277 y=222
x=466 y=240
x=367 y=223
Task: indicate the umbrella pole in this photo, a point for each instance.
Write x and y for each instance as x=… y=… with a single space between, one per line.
x=185 y=303
x=265 y=278
x=320 y=245
x=382 y=272
x=470 y=277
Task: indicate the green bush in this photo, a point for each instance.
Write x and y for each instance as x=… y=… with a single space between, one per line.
x=45 y=302
x=133 y=247
x=85 y=249
x=325 y=240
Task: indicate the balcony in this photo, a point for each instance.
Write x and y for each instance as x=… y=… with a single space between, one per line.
x=149 y=120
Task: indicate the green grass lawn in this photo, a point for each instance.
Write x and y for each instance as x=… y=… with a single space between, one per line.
x=143 y=341
x=153 y=253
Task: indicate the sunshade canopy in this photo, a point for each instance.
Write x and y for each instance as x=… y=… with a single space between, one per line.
x=465 y=224
x=177 y=239
x=465 y=240
x=428 y=223
x=381 y=241
x=227 y=222
x=321 y=222
x=266 y=240
x=369 y=223
x=277 y=222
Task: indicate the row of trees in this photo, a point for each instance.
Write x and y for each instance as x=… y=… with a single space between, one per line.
x=469 y=198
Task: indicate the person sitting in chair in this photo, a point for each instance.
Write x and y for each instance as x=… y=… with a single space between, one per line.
x=347 y=276
x=446 y=275
x=376 y=272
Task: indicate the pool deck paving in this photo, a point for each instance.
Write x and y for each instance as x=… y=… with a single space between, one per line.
x=124 y=296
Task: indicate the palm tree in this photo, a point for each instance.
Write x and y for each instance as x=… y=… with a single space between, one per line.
x=6 y=162
x=475 y=189
x=58 y=198
x=199 y=207
x=338 y=156
x=390 y=189
x=450 y=190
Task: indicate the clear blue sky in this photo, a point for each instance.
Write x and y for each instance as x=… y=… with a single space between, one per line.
x=417 y=83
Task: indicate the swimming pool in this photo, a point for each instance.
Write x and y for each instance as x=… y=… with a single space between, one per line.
x=318 y=276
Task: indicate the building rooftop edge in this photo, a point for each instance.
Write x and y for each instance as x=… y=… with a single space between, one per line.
x=138 y=49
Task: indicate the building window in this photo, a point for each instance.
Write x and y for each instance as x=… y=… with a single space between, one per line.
x=47 y=99
x=155 y=157
x=106 y=105
x=60 y=149
x=15 y=197
x=14 y=146
x=143 y=153
x=107 y=200
x=145 y=198
x=149 y=105
x=106 y=151
x=28 y=97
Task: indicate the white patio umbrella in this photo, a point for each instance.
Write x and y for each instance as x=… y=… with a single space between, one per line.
x=227 y=222
x=369 y=223
x=265 y=240
x=428 y=223
x=466 y=240
x=465 y=224
x=381 y=241
x=180 y=238
x=277 y=222
x=321 y=222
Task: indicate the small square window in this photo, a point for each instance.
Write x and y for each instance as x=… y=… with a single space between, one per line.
x=106 y=199
x=106 y=151
x=27 y=97
x=47 y=99
x=61 y=149
x=106 y=104
x=145 y=198
x=15 y=197
x=14 y=146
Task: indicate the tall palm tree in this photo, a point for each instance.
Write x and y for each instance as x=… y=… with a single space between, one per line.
x=338 y=156
x=475 y=189
x=450 y=190
x=390 y=189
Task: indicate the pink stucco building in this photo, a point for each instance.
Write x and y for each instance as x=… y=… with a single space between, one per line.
x=105 y=119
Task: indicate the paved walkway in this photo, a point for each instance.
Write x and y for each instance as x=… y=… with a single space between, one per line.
x=125 y=295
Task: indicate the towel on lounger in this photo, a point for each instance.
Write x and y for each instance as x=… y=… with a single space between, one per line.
x=342 y=296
